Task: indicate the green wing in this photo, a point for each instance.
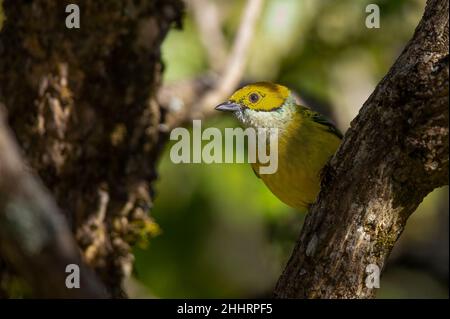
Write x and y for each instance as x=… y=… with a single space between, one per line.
x=319 y=118
x=256 y=174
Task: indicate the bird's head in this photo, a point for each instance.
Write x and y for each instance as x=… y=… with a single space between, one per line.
x=261 y=104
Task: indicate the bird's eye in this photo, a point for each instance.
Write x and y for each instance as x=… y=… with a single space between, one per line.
x=254 y=97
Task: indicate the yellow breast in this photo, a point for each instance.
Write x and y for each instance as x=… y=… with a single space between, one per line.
x=303 y=150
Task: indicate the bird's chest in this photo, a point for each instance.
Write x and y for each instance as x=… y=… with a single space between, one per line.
x=295 y=181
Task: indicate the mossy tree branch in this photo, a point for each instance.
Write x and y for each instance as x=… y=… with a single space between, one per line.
x=82 y=104
x=34 y=237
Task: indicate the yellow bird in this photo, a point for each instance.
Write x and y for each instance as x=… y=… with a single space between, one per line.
x=306 y=139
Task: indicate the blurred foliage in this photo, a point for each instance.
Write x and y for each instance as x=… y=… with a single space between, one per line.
x=223 y=233
x=214 y=218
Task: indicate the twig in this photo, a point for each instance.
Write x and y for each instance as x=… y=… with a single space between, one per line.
x=182 y=100
x=208 y=21
x=235 y=65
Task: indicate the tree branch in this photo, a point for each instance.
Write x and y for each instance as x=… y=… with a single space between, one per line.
x=82 y=105
x=394 y=154
x=208 y=20
x=34 y=237
x=196 y=98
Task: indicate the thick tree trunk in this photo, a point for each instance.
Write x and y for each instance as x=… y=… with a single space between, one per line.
x=82 y=105
x=395 y=153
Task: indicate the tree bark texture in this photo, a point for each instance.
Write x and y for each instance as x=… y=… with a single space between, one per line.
x=34 y=237
x=394 y=153
x=82 y=105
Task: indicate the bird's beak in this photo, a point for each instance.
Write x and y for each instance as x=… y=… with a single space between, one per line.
x=228 y=106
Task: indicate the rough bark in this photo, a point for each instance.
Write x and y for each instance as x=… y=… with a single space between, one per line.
x=82 y=105
x=394 y=153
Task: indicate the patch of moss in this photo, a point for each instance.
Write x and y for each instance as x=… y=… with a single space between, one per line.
x=384 y=243
x=143 y=231
x=15 y=287
x=2 y=16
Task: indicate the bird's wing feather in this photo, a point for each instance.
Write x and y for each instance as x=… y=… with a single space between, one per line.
x=319 y=118
x=254 y=171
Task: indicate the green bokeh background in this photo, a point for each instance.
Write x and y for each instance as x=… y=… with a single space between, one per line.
x=223 y=233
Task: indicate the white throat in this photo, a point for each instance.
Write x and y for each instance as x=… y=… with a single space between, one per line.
x=278 y=118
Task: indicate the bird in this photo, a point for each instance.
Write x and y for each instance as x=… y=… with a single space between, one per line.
x=306 y=139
